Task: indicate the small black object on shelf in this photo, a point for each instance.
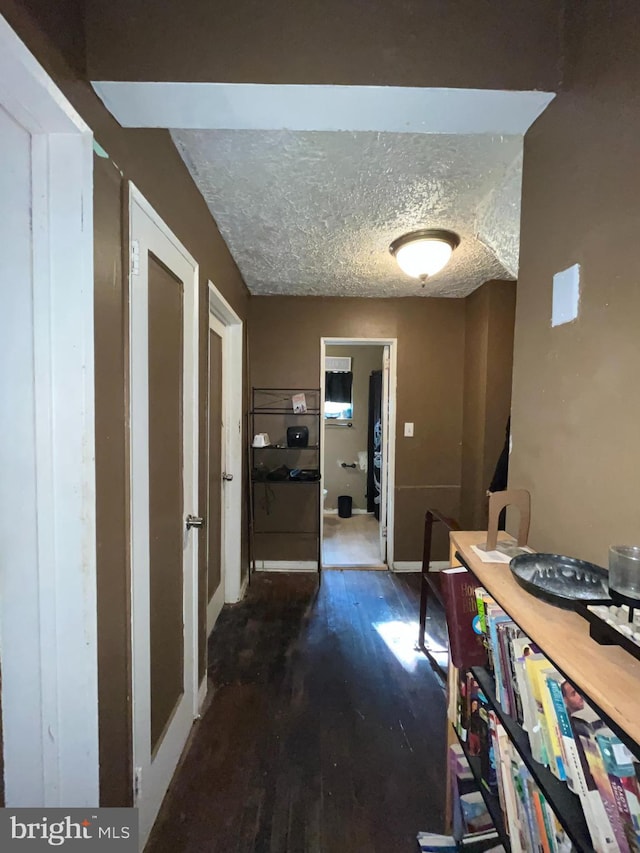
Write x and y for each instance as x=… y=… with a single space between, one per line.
x=562 y=581
x=297 y=436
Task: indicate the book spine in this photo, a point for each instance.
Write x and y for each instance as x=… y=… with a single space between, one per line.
x=555 y=737
x=542 y=829
x=534 y=684
x=514 y=827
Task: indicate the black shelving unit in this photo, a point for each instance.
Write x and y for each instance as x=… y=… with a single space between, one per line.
x=272 y=412
x=492 y=801
x=564 y=802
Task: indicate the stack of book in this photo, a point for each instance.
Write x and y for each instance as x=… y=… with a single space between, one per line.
x=565 y=735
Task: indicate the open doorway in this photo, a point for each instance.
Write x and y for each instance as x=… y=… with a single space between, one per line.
x=358 y=396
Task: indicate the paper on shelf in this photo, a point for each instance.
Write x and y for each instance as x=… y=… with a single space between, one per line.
x=504 y=552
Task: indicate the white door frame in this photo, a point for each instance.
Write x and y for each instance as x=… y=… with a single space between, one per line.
x=232 y=396
x=48 y=618
x=148 y=792
x=390 y=444
x=216 y=602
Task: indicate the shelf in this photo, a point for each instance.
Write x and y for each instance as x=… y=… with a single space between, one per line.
x=492 y=801
x=275 y=511
x=563 y=637
x=564 y=803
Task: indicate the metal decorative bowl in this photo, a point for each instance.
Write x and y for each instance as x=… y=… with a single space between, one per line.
x=563 y=581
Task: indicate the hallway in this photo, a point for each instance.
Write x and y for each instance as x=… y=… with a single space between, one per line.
x=326 y=730
x=351 y=542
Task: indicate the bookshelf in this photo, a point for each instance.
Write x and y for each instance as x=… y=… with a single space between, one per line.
x=566 y=804
x=608 y=677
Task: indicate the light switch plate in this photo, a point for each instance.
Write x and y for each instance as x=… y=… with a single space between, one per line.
x=408 y=430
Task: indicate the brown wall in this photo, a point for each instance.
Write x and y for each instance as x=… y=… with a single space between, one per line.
x=488 y=44
x=490 y=313
x=284 y=342
x=576 y=402
x=150 y=160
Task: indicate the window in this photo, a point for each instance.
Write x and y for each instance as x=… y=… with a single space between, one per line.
x=338 y=395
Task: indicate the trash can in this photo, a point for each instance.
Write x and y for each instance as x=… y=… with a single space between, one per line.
x=344 y=506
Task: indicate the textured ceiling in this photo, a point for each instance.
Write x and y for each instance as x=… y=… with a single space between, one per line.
x=314 y=212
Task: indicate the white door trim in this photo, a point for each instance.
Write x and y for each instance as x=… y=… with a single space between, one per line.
x=216 y=602
x=50 y=719
x=148 y=792
x=232 y=384
x=392 y=343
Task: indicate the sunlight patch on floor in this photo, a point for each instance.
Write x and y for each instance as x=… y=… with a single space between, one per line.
x=401 y=638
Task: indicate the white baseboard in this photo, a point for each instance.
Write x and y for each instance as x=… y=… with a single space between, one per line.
x=202 y=693
x=416 y=566
x=286 y=566
x=214 y=608
x=243 y=588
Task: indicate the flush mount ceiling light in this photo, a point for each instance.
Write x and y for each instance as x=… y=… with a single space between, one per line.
x=423 y=253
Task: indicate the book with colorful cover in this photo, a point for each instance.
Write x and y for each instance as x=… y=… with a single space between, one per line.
x=496 y=615
x=458 y=592
x=520 y=650
x=618 y=762
x=483 y=599
x=539 y=815
x=559 y=841
x=553 y=725
x=580 y=783
x=586 y=724
x=527 y=807
x=479 y=740
x=536 y=664
x=506 y=632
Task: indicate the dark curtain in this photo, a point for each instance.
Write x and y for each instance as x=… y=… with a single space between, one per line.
x=338 y=387
x=374 y=444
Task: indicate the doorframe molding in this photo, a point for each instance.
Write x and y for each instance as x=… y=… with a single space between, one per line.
x=392 y=343
x=232 y=396
x=48 y=618
x=151 y=791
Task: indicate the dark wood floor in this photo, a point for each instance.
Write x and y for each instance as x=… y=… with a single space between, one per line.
x=318 y=738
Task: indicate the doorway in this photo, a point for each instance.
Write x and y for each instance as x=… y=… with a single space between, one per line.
x=164 y=473
x=48 y=617
x=224 y=489
x=358 y=425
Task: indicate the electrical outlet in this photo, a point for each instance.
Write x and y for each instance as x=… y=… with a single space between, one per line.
x=408 y=430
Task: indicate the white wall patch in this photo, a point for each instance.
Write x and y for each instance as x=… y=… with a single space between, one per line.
x=566 y=296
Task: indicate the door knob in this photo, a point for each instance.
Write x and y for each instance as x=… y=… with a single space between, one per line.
x=194 y=521
x=227 y=477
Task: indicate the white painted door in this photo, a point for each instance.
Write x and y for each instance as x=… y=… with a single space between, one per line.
x=164 y=549
x=384 y=472
x=217 y=470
